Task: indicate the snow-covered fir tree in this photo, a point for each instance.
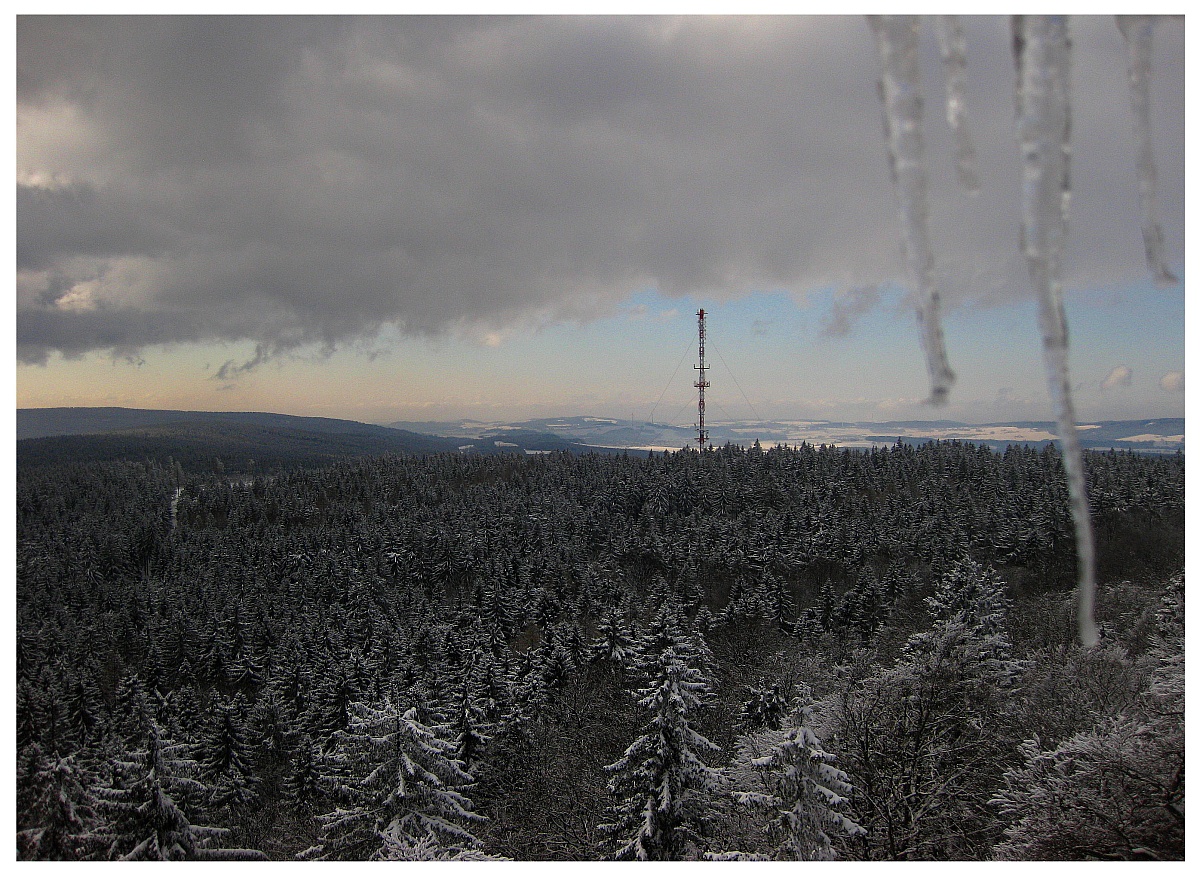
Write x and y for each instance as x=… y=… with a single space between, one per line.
x=55 y=816
x=613 y=644
x=470 y=722
x=805 y=796
x=669 y=629
x=304 y=779
x=970 y=594
x=226 y=756
x=272 y=737
x=396 y=782
x=766 y=708
x=147 y=808
x=661 y=781
x=530 y=694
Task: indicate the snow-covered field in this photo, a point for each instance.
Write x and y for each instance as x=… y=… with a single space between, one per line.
x=1148 y=434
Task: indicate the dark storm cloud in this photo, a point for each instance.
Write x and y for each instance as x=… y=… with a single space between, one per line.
x=300 y=181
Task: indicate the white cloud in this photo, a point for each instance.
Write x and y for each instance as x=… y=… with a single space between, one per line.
x=1118 y=377
x=1172 y=381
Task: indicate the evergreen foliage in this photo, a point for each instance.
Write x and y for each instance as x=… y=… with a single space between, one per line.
x=661 y=781
x=147 y=808
x=55 y=818
x=399 y=784
x=807 y=797
x=766 y=709
x=511 y=603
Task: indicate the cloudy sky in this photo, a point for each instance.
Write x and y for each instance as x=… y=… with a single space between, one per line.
x=434 y=218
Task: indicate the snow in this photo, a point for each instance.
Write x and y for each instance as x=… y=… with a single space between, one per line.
x=641 y=448
x=1153 y=438
x=1002 y=432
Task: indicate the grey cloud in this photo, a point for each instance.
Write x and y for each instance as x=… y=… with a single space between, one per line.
x=231 y=369
x=848 y=309
x=41 y=331
x=297 y=181
x=76 y=220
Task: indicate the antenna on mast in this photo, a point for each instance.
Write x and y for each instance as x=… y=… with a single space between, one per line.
x=701 y=384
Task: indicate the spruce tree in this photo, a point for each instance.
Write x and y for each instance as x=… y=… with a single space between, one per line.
x=303 y=782
x=660 y=782
x=147 y=808
x=226 y=754
x=55 y=817
x=806 y=796
x=470 y=722
x=613 y=645
x=398 y=781
x=765 y=708
x=272 y=738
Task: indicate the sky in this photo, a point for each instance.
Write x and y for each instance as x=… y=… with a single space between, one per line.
x=501 y=218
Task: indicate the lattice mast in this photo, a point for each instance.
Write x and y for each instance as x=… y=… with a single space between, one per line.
x=701 y=384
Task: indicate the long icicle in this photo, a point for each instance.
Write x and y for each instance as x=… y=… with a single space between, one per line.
x=1138 y=31
x=954 y=59
x=896 y=37
x=1042 y=51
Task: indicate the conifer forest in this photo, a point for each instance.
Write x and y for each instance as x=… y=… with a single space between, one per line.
x=801 y=653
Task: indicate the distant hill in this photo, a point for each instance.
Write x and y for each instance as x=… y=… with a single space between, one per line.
x=197 y=445
x=68 y=420
x=239 y=440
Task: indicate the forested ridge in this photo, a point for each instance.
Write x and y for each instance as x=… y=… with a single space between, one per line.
x=795 y=653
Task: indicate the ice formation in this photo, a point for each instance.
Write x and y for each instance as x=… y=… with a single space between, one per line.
x=896 y=37
x=1042 y=51
x=1042 y=54
x=1138 y=31
x=954 y=58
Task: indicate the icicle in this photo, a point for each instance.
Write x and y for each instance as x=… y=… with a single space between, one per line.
x=1138 y=31
x=954 y=59
x=1042 y=51
x=900 y=90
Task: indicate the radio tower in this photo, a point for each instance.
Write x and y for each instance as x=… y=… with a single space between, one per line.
x=701 y=384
